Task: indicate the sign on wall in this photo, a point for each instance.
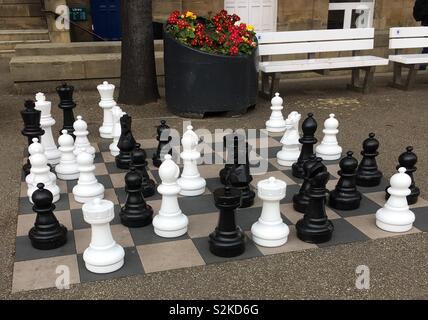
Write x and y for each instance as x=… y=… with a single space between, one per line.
x=78 y=14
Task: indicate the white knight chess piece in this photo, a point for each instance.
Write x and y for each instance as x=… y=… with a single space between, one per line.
x=290 y=141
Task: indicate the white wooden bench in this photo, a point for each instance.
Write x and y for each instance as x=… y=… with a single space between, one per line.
x=407 y=38
x=317 y=41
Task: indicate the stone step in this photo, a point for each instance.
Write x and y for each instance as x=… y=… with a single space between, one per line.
x=7 y=23
x=10 y=44
x=6 y=53
x=20 y=2
x=30 y=34
x=21 y=10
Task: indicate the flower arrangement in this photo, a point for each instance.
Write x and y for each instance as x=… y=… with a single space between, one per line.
x=221 y=34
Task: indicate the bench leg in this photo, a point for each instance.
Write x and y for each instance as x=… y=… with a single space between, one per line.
x=269 y=86
x=362 y=84
x=398 y=82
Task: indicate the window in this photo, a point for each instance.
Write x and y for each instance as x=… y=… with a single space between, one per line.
x=345 y=14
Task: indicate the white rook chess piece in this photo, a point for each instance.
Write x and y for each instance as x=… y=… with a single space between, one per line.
x=106 y=91
x=191 y=182
x=67 y=168
x=87 y=187
x=270 y=230
x=170 y=222
x=395 y=215
x=276 y=122
x=46 y=122
x=329 y=149
x=81 y=133
x=37 y=147
x=103 y=255
x=290 y=141
x=117 y=129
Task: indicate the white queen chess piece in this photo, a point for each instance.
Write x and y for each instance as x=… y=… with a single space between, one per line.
x=290 y=141
x=276 y=122
x=117 y=130
x=106 y=91
x=395 y=215
x=81 y=132
x=329 y=148
x=170 y=222
x=103 y=255
x=67 y=168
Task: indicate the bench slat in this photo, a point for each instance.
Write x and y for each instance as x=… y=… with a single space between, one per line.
x=403 y=43
x=408 y=32
x=409 y=58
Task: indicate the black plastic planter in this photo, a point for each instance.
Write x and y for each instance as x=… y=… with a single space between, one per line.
x=197 y=82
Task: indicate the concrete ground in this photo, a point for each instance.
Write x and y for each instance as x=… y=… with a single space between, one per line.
x=397 y=264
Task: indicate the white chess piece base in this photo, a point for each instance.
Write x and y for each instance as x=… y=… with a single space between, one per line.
x=170 y=226
x=328 y=152
x=394 y=221
x=274 y=235
x=67 y=176
x=191 y=186
x=287 y=158
x=105 y=261
x=85 y=199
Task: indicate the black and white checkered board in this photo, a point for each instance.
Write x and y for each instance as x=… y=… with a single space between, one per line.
x=146 y=252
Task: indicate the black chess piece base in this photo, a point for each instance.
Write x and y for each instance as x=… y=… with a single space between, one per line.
x=136 y=217
x=51 y=238
x=343 y=201
x=371 y=180
x=314 y=233
x=227 y=244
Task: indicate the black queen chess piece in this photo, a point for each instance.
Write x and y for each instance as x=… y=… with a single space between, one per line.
x=66 y=103
x=368 y=174
x=231 y=142
x=301 y=199
x=47 y=232
x=126 y=143
x=163 y=139
x=139 y=161
x=227 y=240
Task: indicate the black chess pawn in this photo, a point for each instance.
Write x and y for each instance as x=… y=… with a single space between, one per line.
x=139 y=162
x=315 y=226
x=126 y=143
x=408 y=160
x=47 y=232
x=301 y=199
x=309 y=126
x=66 y=103
x=136 y=212
x=163 y=139
x=345 y=195
x=227 y=240
x=231 y=143
x=368 y=174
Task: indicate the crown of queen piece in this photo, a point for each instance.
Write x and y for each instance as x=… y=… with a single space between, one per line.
x=106 y=90
x=271 y=188
x=168 y=171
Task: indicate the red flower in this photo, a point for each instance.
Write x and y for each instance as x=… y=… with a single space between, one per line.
x=233 y=51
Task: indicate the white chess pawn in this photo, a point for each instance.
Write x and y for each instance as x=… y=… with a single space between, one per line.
x=81 y=133
x=106 y=91
x=191 y=182
x=270 y=230
x=103 y=255
x=276 y=122
x=170 y=222
x=37 y=147
x=329 y=149
x=117 y=129
x=67 y=168
x=290 y=141
x=87 y=187
x=46 y=122
x=395 y=215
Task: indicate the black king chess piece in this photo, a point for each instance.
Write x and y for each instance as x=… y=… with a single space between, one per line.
x=47 y=232
x=309 y=126
x=32 y=129
x=301 y=199
x=140 y=163
x=227 y=240
x=315 y=226
x=368 y=174
x=66 y=103
x=231 y=143
x=136 y=212
x=345 y=195
x=126 y=143
x=163 y=139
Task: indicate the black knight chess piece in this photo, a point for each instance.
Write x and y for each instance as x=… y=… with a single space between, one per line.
x=47 y=232
x=301 y=199
x=163 y=139
x=231 y=143
x=66 y=103
x=368 y=174
x=227 y=240
x=126 y=143
x=139 y=162
x=309 y=126
x=345 y=195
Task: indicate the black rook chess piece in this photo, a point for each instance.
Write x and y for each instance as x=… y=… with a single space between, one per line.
x=136 y=212
x=345 y=196
x=32 y=129
x=140 y=164
x=227 y=240
x=301 y=199
x=66 y=103
x=47 y=232
x=163 y=139
x=126 y=143
x=231 y=143
x=309 y=126
x=368 y=174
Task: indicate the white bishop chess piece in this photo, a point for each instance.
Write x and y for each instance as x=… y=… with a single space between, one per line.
x=276 y=122
x=106 y=91
x=290 y=141
x=67 y=168
x=117 y=129
x=170 y=222
x=103 y=255
x=395 y=215
x=81 y=132
x=191 y=182
x=270 y=230
x=329 y=148
x=33 y=148
x=46 y=122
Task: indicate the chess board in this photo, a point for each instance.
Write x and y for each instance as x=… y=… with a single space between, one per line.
x=145 y=252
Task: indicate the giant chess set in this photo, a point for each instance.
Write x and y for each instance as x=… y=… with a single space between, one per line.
x=124 y=206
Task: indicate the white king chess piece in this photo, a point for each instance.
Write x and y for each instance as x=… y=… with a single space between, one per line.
x=117 y=130
x=290 y=141
x=329 y=149
x=276 y=122
x=106 y=91
x=395 y=215
x=81 y=133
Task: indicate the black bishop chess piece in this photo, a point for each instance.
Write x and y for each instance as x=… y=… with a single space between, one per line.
x=126 y=143
x=301 y=199
x=368 y=174
x=139 y=161
x=227 y=240
x=163 y=139
x=231 y=143
x=136 y=212
x=309 y=126
x=32 y=129
x=315 y=226
x=66 y=103
x=345 y=195
x=47 y=232
x=408 y=160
